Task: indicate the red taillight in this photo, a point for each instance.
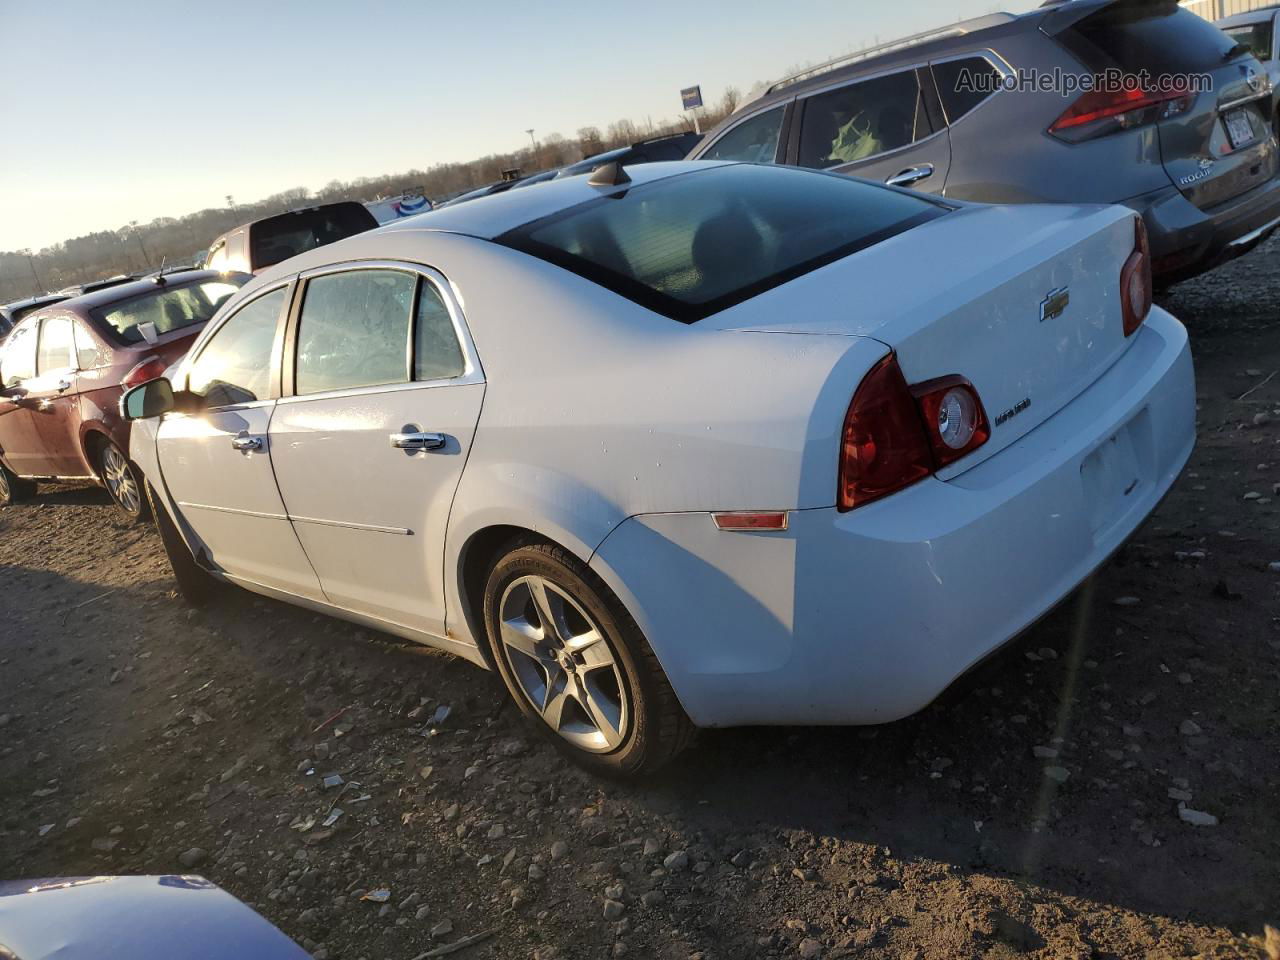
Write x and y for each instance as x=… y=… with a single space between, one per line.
x=1135 y=281
x=895 y=435
x=1101 y=112
x=883 y=448
x=148 y=369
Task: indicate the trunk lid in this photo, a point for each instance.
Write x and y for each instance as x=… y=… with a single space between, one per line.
x=1031 y=324
x=1219 y=147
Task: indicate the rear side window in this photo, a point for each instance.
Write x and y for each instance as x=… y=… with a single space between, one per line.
x=752 y=141
x=691 y=245
x=964 y=84
x=57 y=351
x=861 y=120
x=354 y=330
x=1255 y=36
x=166 y=310
x=18 y=361
x=436 y=353
x=89 y=354
x=279 y=238
x=1165 y=40
x=235 y=365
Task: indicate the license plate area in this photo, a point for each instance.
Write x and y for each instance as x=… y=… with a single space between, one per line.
x=1239 y=123
x=1113 y=480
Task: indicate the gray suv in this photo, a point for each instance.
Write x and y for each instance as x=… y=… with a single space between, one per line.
x=948 y=112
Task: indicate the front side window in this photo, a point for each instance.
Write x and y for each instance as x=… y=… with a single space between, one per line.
x=862 y=120
x=752 y=141
x=690 y=245
x=436 y=353
x=964 y=84
x=18 y=361
x=56 y=349
x=165 y=310
x=354 y=330
x=235 y=365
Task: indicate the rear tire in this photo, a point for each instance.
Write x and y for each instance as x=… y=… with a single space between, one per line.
x=123 y=480
x=591 y=683
x=13 y=489
x=195 y=584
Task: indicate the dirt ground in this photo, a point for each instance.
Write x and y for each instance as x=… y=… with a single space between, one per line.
x=1035 y=810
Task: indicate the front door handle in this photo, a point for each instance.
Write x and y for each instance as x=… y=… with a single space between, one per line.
x=417 y=441
x=907 y=177
x=245 y=443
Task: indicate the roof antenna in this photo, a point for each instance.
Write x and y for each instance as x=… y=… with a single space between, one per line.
x=608 y=175
x=160 y=281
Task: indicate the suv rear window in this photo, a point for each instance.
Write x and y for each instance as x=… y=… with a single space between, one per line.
x=1161 y=39
x=694 y=244
x=1255 y=36
x=168 y=309
x=279 y=238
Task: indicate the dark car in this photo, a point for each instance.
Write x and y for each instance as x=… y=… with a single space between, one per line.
x=981 y=110
x=11 y=313
x=675 y=147
x=259 y=244
x=64 y=367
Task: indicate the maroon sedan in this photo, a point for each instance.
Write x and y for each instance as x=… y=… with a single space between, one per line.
x=64 y=367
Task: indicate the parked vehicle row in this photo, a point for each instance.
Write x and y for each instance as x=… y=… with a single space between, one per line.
x=1200 y=168
x=64 y=368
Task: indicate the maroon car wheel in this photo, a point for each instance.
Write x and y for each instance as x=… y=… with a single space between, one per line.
x=122 y=481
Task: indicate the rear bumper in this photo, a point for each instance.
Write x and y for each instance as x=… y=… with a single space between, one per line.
x=867 y=616
x=1190 y=240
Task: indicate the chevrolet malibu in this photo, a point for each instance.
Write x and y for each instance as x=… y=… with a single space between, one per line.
x=693 y=444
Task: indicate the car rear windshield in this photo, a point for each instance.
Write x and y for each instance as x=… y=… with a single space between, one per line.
x=166 y=310
x=1255 y=36
x=279 y=238
x=1161 y=38
x=691 y=245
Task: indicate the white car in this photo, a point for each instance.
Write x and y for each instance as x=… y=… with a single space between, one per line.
x=709 y=445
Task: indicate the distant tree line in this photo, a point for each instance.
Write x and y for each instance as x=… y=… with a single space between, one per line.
x=141 y=247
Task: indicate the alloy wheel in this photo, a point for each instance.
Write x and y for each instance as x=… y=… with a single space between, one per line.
x=563 y=665
x=119 y=480
x=4 y=486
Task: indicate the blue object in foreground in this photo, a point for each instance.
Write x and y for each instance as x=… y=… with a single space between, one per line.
x=169 y=917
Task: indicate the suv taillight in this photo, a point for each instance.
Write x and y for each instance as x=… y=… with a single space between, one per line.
x=895 y=435
x=149 y=369
x=1098 y=113
x=1135 y=281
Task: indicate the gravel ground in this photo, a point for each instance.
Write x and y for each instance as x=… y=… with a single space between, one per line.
x=1105 y=787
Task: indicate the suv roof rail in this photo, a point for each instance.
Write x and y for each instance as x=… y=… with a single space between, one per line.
x=940 y=33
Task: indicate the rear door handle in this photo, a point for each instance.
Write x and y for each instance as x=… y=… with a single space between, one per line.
x=417 y=441
x=907 y=177
x=64 y=386
x=246 y=443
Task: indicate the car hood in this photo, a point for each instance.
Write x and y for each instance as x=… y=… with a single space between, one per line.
x=169 y=917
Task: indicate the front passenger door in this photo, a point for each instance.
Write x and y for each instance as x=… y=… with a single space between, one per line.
x=370 y=447
x=19 y=438
x=880 y=128
x=217 y=462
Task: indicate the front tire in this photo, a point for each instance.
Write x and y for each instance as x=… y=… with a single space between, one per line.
x=13 y=489
x=123 y=481
x=577 y=665
x=194 y=582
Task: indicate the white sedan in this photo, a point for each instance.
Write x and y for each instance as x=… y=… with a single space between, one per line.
x=706 y=445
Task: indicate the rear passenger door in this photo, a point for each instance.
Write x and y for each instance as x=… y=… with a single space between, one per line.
x=382 y=397
x=885 y=128
x=56 y=395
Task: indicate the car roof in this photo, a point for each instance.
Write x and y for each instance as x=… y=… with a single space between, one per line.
x=491 y=216
x=44 y=298
x=124 y=291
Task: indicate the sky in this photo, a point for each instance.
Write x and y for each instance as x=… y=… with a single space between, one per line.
x=130 y=110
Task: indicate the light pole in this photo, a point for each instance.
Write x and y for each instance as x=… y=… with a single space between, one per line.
x=145 y=259
x=32 y=264
x=531 y=138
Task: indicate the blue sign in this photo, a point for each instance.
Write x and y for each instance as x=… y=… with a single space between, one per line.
x=691 y=97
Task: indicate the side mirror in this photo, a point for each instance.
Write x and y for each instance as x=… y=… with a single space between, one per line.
x=150 y=399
